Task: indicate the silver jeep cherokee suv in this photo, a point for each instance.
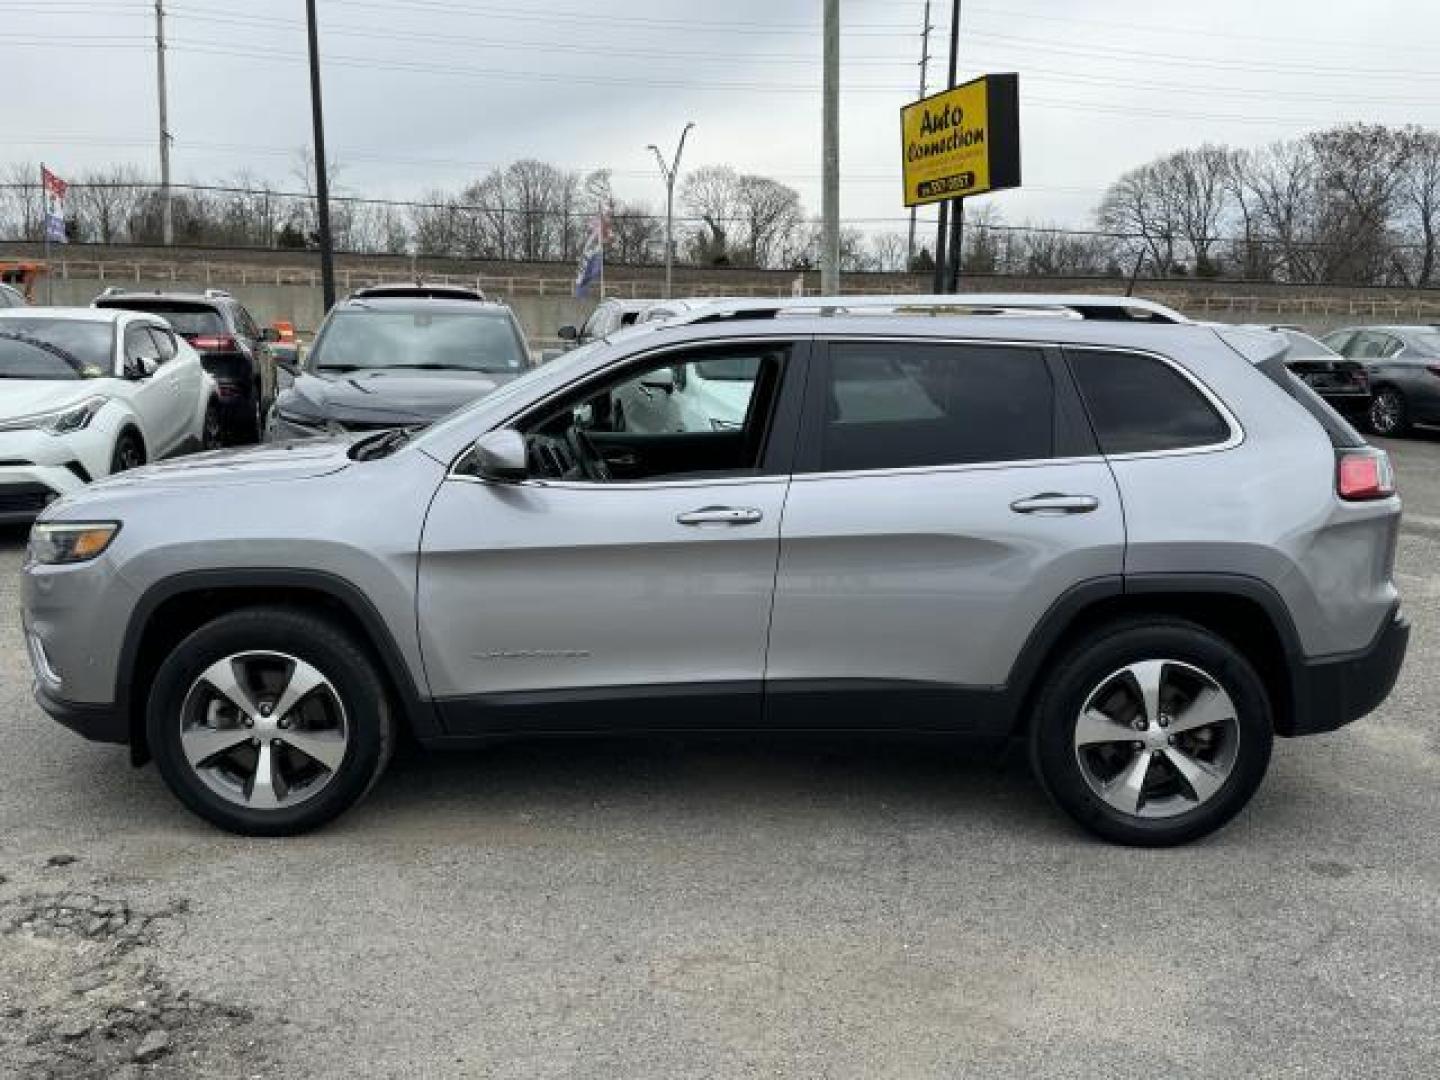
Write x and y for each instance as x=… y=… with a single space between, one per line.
x=1138 y=544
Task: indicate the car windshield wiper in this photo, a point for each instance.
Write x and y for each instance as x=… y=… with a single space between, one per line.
x=340 y=367
x=382 y=445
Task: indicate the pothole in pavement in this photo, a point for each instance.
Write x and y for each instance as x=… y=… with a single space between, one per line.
x=81 y=998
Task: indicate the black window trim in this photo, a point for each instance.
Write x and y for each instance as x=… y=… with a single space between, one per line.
x=1237 y=431
x=1068 y=442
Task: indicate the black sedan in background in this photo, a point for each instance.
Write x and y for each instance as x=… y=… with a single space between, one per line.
x=1403 y=363
x=389 y=363
x=1342 y=382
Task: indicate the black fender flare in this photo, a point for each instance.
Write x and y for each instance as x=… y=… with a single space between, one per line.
x=415 y=706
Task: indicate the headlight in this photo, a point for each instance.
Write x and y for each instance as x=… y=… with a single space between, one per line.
x=55 y=542
x=59 y=421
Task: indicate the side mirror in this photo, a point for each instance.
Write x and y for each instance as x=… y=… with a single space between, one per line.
x=568 y=333
x=662 y=379
x=500 y=455
x=141 y=368
x=269 y=334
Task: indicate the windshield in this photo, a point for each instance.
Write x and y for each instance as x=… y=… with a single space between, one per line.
x=189 y=320
x=357 y=340
x=39 y=348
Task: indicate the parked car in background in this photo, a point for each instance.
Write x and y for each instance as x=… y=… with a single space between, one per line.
x=1403 y=363
x=1343 y=383
x=233 y=348
x=11 y=297
x=385 y=363
x=608 y=316
x=86 y=393
x=419 y=290
x=1137 y=545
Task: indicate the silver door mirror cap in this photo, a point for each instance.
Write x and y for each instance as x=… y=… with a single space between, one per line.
x=500 y=455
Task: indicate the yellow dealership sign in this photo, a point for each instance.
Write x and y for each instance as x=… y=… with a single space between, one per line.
x=962 y=141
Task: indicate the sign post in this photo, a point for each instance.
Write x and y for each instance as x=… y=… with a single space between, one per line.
x=962 y=141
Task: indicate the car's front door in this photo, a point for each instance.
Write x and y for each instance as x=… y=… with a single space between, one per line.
x=152 y=390
x=945 y=496
x=627 y=582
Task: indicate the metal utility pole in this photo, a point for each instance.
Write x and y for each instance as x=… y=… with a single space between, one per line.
x=830 y=168
x=943 y=281
x=167 y=212
x=669 y=173
x=924 y=78
x=322 y=183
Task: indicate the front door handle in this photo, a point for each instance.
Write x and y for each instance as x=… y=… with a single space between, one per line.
x=720 y=515
x=1052 y=503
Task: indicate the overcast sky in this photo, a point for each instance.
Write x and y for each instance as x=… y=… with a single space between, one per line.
x=422 y=94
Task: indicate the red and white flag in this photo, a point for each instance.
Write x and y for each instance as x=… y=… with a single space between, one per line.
x=53 y=193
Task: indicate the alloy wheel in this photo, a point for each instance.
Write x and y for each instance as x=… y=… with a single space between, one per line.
x=263 y=730
x=1157 y=738
x=1386 y=412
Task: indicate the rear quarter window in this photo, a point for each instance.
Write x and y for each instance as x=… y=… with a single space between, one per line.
x=1140 y=404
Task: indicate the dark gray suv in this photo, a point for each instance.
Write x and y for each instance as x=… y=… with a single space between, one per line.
x=1138 y=545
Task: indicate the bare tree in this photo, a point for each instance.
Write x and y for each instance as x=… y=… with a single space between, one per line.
x=888 y=251
x=1420 y=198
x=710 y=194
x=768 y=213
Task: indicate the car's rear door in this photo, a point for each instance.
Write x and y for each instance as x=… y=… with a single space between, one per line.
x=576 y=604
x=947 y=494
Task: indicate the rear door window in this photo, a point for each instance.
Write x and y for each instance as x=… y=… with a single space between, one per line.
x=1140 y=404
x=890 y=405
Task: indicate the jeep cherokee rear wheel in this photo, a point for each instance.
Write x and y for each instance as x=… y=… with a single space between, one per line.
x=268 y=722
x=1152 y=733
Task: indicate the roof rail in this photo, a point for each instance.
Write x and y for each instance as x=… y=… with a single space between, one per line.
x=1056 y=305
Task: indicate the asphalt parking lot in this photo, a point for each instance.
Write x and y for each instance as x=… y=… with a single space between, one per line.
x=664 y=909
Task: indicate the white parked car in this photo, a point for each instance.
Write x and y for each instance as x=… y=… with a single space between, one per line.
x=711 y=395
x=85 y=393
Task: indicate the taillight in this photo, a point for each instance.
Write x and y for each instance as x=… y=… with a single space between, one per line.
x=213 y=342
x=1364 y=474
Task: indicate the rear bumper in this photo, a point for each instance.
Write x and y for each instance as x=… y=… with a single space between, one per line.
x=1336 y=691
x=98 y=723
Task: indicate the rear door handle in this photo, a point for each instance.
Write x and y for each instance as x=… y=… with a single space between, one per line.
x=1052 y=503
x=720 y=515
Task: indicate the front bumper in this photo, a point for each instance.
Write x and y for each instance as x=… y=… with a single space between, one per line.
x=1336 y=691
x=26 y=489
x=98 y=723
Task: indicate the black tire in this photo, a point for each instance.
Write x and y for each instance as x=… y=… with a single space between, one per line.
x=316 y=641
x=1389 y=414
x=250 y=418
x=1079 y=671
x=129 y=452
x=212 y=431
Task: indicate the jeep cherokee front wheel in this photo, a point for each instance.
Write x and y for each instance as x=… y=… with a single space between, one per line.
x=1152 y=733
x=269 y=722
